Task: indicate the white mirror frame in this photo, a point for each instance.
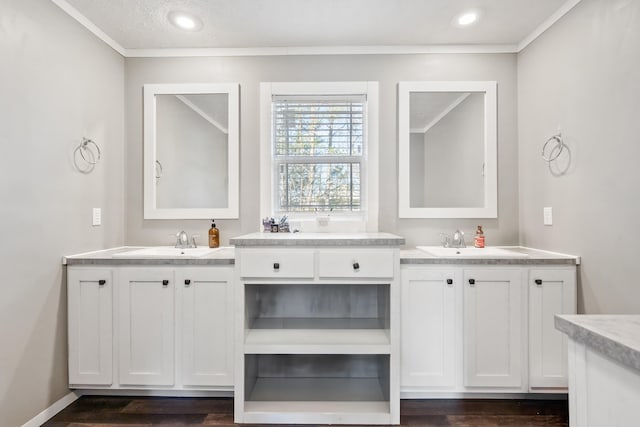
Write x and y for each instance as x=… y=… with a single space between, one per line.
x=232 y=209
x=490 y=208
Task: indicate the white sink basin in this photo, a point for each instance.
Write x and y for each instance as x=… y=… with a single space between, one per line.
x=471 y=252
x=166 y=252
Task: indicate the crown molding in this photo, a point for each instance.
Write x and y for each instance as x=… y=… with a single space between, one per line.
x=547 y=23
x=84 y=21
x=316 y=50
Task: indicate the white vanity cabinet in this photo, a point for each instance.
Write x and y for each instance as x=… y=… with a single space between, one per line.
x=551 y=292
x=205 y=314
x=474 y=328
x=317 y=329
x=146 y=319
x=494 y=328
x=90 y=319
x=156 y=327
x=430 y=318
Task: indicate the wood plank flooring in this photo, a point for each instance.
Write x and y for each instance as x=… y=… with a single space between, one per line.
x=99 y=411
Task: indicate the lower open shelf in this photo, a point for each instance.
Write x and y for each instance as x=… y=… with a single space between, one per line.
x=317 y=389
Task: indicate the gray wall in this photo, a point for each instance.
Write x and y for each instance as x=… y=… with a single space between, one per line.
x=57 y=83
x=583 y=75
x=387 y=69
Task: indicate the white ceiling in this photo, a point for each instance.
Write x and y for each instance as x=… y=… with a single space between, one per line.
x=142 y=24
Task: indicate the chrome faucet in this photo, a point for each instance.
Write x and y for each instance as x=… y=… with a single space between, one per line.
x=457 y=241
x=183 y=241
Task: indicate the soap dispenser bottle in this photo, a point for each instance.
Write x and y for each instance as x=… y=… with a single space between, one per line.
x=478 y=240
x=214 y=235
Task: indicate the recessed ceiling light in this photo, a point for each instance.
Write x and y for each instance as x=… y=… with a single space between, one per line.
x=467 y=18
x=185 y=21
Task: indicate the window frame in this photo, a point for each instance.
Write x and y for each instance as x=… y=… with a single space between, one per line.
x=367 y=219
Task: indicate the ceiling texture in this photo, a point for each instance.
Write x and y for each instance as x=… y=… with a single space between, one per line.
x=136 y=25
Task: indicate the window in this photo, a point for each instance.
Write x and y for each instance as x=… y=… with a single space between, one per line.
x=318 y=153
x=319 y=142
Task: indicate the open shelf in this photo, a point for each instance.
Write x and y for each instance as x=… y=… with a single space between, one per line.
x=313 y=306
x=318 y=341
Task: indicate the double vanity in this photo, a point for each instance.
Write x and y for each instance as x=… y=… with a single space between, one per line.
x=319 y=328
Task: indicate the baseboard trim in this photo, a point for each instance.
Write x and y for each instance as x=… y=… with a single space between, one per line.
x=52 y=410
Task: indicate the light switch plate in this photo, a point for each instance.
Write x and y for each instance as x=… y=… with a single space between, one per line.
x=548 y=216
x=97 y=216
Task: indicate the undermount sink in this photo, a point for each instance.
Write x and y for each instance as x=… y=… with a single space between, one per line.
x=166 y=252
x=471 y=252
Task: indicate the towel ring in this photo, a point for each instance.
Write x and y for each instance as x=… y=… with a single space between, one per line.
x=84 y=146
x=558 y=147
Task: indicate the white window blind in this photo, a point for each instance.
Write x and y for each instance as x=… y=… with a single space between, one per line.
x=318 y=146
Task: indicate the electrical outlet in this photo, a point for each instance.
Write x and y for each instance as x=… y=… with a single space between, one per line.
x=97 y=216
x=548 y=216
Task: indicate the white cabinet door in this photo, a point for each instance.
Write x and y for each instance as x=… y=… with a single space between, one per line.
x=146 y=326
x=206 y=308
x=428 y=299
x=90 y=303
x=493 y=328
x=551 y=292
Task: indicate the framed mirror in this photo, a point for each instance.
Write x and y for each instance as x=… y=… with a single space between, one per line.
x=191 y=151
x=447 y=149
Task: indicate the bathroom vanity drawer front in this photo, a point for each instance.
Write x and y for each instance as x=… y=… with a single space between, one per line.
x=277 y=264
x=356 y=263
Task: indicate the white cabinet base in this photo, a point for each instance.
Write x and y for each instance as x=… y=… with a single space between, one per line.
x=602 y=392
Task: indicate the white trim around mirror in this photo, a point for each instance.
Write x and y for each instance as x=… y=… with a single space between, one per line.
x=490 y=208
x=233 y=155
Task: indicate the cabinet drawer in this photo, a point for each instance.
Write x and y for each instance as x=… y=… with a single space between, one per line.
x=272 y=263
x=350 y=263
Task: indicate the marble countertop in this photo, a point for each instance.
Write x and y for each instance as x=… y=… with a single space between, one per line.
x=222 y=256
x=226 y=255
x=317 y=239
x=615 y=336
x=533 y=257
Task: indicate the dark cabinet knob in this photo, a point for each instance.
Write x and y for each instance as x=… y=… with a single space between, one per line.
x=101 y=282
x=165 y=283
x=449 y=281
x=276 y=266
x=356 y=266
x=538 y=282
x=187 y=282
x=472 y=281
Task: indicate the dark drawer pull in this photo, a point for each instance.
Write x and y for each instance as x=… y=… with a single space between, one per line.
x=276 y=266
x=165 y=283
x=538 y=282
x=187 y=282
x=472 y=282
x=101 y=282
x=449 y=281
x=356 y=266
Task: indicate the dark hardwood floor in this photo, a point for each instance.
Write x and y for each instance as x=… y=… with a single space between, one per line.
x=98 y=411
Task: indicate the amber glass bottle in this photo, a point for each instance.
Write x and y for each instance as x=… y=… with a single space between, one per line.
x=214 y=235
